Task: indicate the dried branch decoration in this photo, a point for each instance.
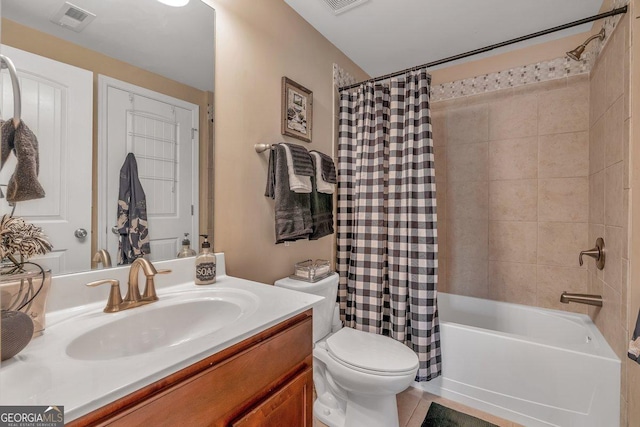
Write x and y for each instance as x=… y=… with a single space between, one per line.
x=19 y=237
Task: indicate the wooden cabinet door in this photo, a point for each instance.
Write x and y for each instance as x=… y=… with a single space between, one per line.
x=287 y=407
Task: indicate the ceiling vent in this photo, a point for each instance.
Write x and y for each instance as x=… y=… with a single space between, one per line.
x=72 y=17
x=341 y=6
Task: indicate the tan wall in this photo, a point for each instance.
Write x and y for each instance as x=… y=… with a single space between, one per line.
x=513 y=192
x=258 y=42
x=633 y=293
x=609 y=190
x=25 y=38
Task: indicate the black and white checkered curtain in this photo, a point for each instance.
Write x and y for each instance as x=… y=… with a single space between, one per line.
x=387 y=239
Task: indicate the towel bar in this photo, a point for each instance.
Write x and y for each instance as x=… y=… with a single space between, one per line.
x=261 y=148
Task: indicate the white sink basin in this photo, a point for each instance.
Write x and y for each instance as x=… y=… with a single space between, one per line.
x=169 y=322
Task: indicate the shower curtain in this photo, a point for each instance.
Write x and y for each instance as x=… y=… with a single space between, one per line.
x=387 y=239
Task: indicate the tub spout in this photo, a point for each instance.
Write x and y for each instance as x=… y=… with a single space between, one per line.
x=596 y=300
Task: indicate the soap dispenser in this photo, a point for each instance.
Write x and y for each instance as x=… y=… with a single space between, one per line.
x=205 y=264
x=186 y=250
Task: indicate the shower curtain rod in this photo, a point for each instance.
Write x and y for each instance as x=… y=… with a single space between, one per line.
x=613 y=12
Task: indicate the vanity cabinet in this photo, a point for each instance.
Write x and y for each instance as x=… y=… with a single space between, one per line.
x=265 y=380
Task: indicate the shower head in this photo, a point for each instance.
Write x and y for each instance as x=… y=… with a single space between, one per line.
x=576 y=53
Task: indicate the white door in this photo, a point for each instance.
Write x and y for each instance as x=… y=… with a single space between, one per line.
x=162 y=133
x=57 y=105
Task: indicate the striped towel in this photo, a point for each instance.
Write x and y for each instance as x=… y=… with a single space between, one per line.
x=301 y=161
x=328 y=168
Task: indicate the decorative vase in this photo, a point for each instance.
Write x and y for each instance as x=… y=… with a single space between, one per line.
x=27 y=292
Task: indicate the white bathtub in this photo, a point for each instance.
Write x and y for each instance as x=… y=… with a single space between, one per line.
x=534 y=366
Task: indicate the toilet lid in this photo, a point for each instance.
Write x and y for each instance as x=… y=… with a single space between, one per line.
x=371 y=352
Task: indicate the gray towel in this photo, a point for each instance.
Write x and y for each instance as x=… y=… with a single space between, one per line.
x=301 y=160
x=321 y=210
x=292 y=210
x=328 y=168
x=132 y=214
x=23 y=184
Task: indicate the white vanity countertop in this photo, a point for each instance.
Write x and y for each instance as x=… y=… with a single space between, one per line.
x=43 y=373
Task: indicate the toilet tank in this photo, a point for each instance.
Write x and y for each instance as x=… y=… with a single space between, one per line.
x=323 y=310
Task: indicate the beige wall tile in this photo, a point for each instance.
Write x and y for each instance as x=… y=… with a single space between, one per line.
x=515 y=117
x=443 y=284
x=559 y=243
x=563 y=199
x=513 y=241
x=441 y=201
x=512 y=282
x=596 y=147
x=515 y=200
x=613 y=240
x=467 y=276
x=614 y=75
x=467 y=238
x=614 y=132
x=563 y=155
x=439 y=127
x=596 y=198
x=513 y=159
x=614 y=195
x=598 y=102
x=607 y=319
x=596 y=287
x=564 y=110
x=553 y=280
x=468 y=162
x=440 y=163
x=626 y=142
x=468 y=200
x=468 y=124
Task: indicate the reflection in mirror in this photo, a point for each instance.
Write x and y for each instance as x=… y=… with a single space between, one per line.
x=100 y=80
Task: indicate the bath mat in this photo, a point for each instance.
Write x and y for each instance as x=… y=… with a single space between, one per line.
x=441 y=416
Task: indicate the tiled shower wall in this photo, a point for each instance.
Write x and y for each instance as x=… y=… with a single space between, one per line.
x=512 y=173
x=530 y=176
x=609 y=189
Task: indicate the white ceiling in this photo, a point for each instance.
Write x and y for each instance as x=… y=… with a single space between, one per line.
x=175 y=42
x=383 y=36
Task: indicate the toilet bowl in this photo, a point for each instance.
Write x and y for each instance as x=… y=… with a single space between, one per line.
x=356 y=374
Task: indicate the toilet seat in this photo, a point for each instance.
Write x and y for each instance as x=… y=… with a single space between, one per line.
x=371 y=353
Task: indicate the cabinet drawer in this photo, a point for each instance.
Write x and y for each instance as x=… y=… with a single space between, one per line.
x=289 y=406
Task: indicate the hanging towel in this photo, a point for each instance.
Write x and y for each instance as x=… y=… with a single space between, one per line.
x=299 y=167
x=328 y=168
x=634 y=345
x=321 y=206
x=292 y=210
x=132 y=214
x=23 y=184
x=322 y=186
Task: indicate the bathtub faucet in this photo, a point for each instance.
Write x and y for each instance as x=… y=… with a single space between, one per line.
x=566 y=298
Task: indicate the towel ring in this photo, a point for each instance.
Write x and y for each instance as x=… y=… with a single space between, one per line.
x=5 y=62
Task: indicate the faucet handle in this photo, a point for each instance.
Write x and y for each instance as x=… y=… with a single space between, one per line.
x=597 y=253
x=149 y=293
x=115 y=297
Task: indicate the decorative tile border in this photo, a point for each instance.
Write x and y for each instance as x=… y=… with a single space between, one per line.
x=557 y=68
x=341 y=77
x=533 y=73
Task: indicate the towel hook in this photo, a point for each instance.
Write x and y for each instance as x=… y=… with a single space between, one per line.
x=5 y=62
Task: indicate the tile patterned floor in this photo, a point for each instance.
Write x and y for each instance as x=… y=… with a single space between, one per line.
x=413 y=405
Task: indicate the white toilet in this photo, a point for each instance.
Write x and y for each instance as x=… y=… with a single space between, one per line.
x=356 y=374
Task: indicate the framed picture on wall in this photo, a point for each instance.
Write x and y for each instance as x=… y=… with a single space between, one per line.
x=297 y=110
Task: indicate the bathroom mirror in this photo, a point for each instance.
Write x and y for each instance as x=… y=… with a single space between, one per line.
x=100 y=79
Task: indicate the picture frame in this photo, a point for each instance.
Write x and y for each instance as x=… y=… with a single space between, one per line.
x=297 y=110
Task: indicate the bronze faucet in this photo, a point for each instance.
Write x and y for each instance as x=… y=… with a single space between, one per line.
x=133 y=298
x=102 y=257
